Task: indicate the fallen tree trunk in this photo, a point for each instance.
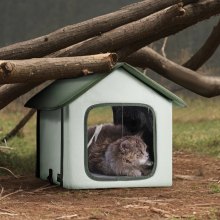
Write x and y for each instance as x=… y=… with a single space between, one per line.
x=73 y=34
x=42 y=69
x=207 y=86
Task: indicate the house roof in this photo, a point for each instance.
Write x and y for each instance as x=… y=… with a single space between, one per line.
x=63 y=91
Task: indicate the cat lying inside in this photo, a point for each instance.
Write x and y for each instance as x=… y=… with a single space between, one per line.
x=114 y=155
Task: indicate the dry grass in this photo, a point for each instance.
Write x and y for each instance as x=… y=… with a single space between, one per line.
x=100 y=115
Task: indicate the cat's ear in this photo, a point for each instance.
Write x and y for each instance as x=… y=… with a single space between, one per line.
x=125 y=146
x=140 y=134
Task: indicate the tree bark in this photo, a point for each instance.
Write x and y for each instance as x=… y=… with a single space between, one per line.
x=195 y=12
x=124 y=35
x=19 y=126
x=146 y=30
x=73 y=34
x=207 y=86
x=206 y=51
x=42 y=69
x=9 y=93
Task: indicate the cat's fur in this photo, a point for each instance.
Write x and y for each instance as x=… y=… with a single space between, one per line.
x=114 y=155
x=108 y=134
x=136 y=119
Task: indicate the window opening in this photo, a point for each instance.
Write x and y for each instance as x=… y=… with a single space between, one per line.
x=120 y=141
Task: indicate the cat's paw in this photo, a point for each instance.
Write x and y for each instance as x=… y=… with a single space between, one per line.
x=134 y=173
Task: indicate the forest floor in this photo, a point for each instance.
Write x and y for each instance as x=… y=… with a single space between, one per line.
x=195 y=194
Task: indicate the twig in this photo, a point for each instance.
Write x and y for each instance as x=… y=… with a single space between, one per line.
x=214 y=180
x=186 y=177
x=40 y=188
x=6 y=145
x=153 y=202
x=2 y=190
x=48 y=186
x=15 y=176
x=8 y=213
x=6 y=148
x=164 y=47
x=136 y=207
x=67 y=216
x=204 y=205
x=10 y=194
x=160 y=211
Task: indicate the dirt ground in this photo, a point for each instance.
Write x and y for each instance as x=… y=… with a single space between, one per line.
x=195 y=195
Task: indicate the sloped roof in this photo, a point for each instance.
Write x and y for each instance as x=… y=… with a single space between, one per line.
x=63 y=91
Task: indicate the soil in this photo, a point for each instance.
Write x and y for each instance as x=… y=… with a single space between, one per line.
x=195 y=194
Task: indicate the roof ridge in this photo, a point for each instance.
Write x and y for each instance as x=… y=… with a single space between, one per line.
x=51 y=98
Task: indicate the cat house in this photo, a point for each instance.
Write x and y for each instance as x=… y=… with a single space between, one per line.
x=101 y=110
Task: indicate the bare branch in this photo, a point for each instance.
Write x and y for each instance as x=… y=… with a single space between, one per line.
x=115 y=39
x=206 y=51
x=9 y=93
x=73 y=34
x=192 y=14
x=145 y=30
x=164 y=47
x=10 y=194
x=207 y=86
x=4 y=168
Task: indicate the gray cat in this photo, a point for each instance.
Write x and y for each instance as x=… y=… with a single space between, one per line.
x=114 y=155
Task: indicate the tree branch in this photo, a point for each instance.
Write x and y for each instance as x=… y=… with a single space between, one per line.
x=123 y=35
x=73 y=34
x=191 y=14
x=206 y=51
x=42 y=69
x=8 y=93
x=146 y=30
x=19 y=126
x=207 y=86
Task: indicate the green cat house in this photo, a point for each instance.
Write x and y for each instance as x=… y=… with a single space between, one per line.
x=67 y=107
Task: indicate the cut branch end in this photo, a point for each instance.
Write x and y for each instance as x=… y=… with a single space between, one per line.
x=6 y=68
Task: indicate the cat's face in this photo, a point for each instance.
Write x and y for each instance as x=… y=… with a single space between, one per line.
x=134 y=151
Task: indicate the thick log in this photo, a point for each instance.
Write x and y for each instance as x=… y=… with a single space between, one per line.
x=206 y=51
x=124 y=35
x=192 y=14
x=42 y=69
x=196 y=12
x=207 y=86
x=73 y=34
x=146 y=30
